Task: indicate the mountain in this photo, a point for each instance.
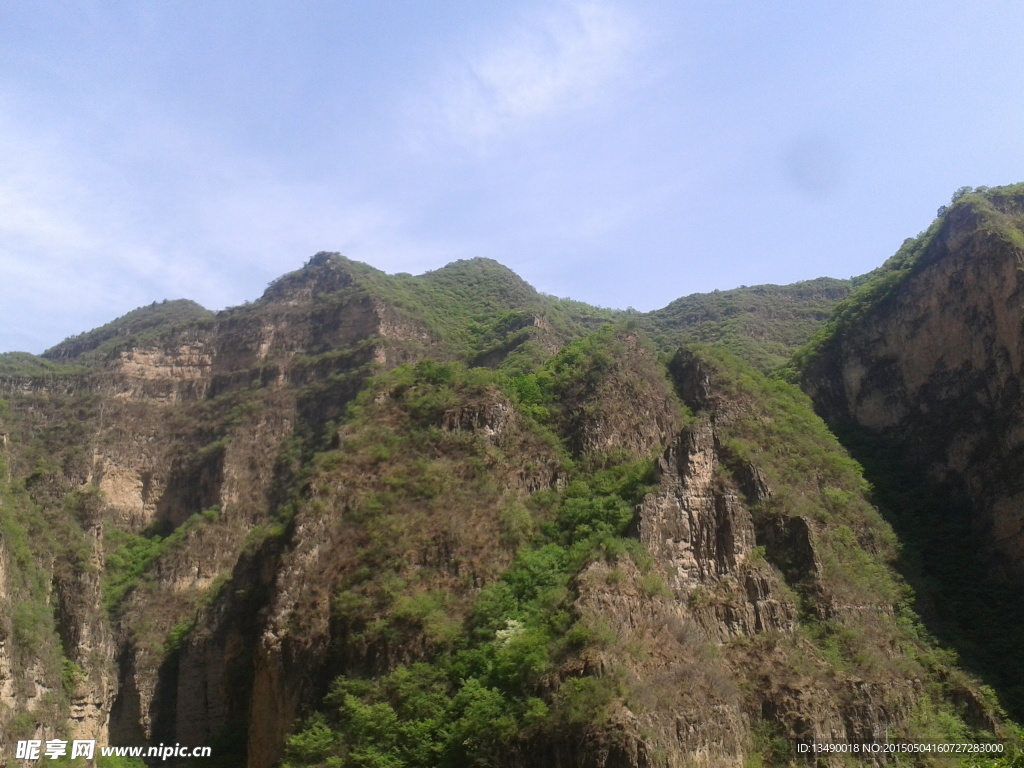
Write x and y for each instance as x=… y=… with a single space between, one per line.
x=763 y=324
x=929 y=352
x=920 y=370
x=398 y=520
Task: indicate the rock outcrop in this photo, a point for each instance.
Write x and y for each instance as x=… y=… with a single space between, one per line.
x=930 y=359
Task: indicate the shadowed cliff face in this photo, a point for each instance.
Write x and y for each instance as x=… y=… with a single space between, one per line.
x=934 y=365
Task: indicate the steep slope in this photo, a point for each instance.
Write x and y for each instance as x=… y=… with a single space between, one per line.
x=708 y=608
x=163 y=415
x=144 y=458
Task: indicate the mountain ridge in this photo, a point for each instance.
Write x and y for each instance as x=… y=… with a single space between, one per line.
x=741 y=317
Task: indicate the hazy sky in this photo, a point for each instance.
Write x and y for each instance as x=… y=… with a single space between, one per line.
x=619 y=153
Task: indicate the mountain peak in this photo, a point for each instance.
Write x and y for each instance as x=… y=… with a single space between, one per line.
x=326 y=272
x=151 y=318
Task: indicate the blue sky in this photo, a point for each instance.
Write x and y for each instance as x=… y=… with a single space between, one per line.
x=619 y=153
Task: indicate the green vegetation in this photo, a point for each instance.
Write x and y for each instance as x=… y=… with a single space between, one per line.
x=482 y=308
x=487 y=315
x=30 y=627
x=25 y=364
x=761 y=324
x=481 y=311
x=770 y=745
x=119 y=762
x=1013 y=758
x=142 y=325
x=130 y=555
x=567 y=377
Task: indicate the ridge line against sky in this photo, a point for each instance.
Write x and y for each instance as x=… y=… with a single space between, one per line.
x=616 y=153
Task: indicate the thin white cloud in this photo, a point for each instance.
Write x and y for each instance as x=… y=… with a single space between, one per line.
x=554 y=61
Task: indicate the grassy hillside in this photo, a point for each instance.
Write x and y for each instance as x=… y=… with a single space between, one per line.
x=139 y=325
x=761 y=324
x=27 y=364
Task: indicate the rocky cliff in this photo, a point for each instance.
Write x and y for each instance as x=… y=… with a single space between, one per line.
x=139 y=468
x=928 y=356
x=309 y=529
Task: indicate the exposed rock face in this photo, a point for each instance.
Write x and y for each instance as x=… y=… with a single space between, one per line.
x=687 y=706
x=177 y=369
x=935 y=366
x=143 y=436
x=87 y=641
x=699 y=530
x=722 y=650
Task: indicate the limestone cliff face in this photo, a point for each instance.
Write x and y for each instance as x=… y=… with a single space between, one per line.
x=274 y=344
x=686 y=703
x=163 y=375
x=935 y=366
x=703 y=535
x=86 y=638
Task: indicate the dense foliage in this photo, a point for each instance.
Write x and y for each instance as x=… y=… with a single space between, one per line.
x=138 y=326
x=761 y=324
x=25 y=364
